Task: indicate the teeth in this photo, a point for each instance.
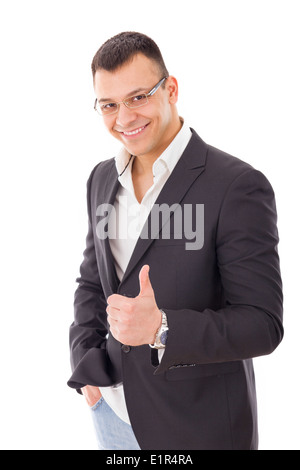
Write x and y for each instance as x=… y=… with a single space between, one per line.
x=134 y=132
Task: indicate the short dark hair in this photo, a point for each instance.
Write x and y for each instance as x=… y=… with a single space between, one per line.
x=118 y=50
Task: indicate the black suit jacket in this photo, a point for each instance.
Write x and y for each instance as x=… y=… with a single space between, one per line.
x=223 y=303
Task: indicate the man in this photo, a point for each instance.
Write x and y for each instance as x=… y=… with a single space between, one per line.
x=180 y=284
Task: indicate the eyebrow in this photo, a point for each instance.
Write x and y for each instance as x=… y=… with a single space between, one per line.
x=132 y=93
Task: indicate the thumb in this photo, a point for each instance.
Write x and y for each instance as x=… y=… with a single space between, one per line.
x=145 y=284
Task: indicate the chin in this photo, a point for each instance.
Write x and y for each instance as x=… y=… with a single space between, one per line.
x=135 y=149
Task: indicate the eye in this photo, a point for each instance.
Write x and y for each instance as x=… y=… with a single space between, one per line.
x=136 y=101
x=138 y=98
x=108 y=107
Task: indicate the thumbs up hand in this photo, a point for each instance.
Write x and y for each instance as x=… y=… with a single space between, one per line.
x=146 y=289
x=135 y=321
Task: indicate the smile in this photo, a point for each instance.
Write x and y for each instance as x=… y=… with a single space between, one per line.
x=134 y=132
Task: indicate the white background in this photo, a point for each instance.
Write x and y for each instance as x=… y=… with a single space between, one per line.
x=237 y=63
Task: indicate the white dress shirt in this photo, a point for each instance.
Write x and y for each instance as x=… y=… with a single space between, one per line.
x=130 y=216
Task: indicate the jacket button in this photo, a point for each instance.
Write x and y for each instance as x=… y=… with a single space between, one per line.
x=126 y=348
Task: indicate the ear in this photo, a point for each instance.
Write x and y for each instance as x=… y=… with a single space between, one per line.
x=172 y=87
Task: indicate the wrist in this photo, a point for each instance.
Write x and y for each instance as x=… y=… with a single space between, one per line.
x=158 y=324
x=162 y=333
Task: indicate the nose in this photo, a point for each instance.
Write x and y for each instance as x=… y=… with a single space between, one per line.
x=125 y=116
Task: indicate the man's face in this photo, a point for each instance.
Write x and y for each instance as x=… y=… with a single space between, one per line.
x=149 y=129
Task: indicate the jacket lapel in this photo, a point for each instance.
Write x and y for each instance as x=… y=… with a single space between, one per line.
x=189 y=167
x=108 y=265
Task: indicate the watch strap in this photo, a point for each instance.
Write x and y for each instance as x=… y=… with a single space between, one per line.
x=160 y=338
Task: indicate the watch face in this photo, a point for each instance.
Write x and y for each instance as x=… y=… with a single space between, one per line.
x=163 y=337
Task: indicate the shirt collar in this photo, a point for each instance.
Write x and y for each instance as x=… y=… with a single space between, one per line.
x=173 y=152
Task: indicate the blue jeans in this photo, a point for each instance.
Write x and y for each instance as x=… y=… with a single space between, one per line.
x=112 y=432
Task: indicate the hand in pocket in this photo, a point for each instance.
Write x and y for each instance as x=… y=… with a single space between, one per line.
x=92 y=394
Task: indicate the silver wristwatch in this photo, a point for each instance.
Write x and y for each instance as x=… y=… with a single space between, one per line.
x=162 y=334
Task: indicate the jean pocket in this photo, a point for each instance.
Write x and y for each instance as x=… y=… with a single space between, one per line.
x=97 y=404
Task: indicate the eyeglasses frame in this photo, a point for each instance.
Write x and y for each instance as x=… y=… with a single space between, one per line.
x=150 y=93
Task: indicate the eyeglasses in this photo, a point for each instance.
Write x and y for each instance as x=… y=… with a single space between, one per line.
x=132 y=102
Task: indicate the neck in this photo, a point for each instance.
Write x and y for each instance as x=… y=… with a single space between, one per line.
x=142 y=164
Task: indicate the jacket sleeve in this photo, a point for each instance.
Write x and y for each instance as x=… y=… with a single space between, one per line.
x=89 y=329
x=250 y=324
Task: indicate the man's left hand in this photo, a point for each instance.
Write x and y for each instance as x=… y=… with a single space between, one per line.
x=135 y=321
